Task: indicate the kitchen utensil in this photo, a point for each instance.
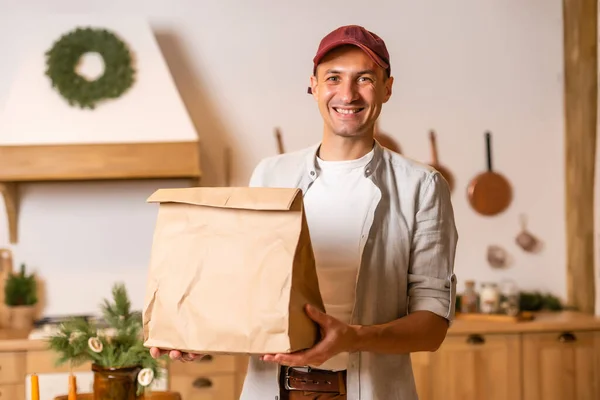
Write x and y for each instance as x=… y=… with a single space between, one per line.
x=279 y=139
x=227 y=162
x=489 y=193
x=435 y=163
x=525 y=240
x=496 y=256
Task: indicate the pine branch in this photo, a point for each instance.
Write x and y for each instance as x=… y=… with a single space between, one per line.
x=123 y=347
x=118 y=313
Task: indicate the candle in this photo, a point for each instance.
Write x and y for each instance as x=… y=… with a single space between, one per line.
x=72 y=387
x=35 y=387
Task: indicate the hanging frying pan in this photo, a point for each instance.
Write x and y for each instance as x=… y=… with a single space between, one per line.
x=489 y=192
x=435 y=163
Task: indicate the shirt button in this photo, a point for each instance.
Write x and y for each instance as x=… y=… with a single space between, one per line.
x=312 y=173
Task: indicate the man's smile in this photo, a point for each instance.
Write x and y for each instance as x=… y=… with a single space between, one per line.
x=347 y=111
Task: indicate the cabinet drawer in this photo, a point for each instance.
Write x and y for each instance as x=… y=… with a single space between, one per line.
x=561 y=365
x=12 y=367
x=204 y=387
x=44 y=361
x=207 y=365
x=474 y=367
x=12 y=392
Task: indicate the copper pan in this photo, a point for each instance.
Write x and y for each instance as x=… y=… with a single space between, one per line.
x=489 y=192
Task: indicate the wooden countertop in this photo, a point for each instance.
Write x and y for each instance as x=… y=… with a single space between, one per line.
x=11 y=340
x=542 y=322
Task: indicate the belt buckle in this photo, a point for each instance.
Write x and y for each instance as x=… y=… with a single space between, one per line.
x=286 y=381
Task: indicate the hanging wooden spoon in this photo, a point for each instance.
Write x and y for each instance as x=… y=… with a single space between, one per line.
x=227 y=165
x=435 y=163
x=279 y=139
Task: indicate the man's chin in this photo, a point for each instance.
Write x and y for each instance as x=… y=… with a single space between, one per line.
x=349 y=134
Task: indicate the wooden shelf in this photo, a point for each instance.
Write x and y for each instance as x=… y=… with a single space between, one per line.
x=85 y=162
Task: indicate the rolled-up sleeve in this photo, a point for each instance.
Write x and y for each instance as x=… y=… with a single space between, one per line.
x=431 y=278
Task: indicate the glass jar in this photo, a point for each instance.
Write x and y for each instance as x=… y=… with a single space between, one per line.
x=115 y=383
x=468 y=300
x=510 y=298
x=490 y=298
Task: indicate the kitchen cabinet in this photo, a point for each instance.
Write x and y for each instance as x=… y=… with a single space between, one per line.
x=474 y=367
x=555 y=356
x=212 y=378
x=12 y=384
x=561 y=365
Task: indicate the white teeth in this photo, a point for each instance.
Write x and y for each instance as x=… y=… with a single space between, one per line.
x=344 y=111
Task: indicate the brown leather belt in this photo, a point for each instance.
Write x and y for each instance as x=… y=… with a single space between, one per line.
x=313 y=380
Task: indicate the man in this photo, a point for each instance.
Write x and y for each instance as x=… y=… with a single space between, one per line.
x=384 y=237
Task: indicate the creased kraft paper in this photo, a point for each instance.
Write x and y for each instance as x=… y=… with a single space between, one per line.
x=230 y=272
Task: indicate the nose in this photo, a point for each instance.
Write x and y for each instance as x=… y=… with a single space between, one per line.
x=349 y=91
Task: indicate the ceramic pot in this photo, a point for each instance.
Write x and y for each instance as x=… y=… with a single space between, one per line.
x=115 y=383
x=21 y=317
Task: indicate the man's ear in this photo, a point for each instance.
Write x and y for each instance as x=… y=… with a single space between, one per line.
x=388 y=88
x=313 y=86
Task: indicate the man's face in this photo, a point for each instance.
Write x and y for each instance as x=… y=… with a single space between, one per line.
x=350 y=89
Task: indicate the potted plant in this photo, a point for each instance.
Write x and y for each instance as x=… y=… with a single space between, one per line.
x=20 y=296
x=123 y=368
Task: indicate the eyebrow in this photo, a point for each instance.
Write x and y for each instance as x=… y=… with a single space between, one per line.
x=363 y=72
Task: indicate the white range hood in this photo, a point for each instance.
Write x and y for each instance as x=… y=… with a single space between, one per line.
x=145 y=134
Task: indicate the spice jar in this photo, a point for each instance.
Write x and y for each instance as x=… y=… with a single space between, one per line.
x=510 y=298
x=469 y=299
x=490 y=298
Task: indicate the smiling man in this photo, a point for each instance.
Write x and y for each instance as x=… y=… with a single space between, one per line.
x=383 y=234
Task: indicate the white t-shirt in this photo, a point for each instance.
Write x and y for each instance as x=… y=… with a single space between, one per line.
x=336 y=206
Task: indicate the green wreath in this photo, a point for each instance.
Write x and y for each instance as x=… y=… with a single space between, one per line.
x=65 y=54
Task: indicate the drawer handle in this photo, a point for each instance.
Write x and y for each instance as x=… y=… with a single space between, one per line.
x=567 y=337
x=207 y=357
x=202 y=383
x=475 y=339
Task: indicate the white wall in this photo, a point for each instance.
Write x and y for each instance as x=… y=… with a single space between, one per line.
x=242 y=68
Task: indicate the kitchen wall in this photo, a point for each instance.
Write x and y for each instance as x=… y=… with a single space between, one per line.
x=242 y=69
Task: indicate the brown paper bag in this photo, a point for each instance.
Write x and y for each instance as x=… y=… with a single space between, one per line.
x=230 y=272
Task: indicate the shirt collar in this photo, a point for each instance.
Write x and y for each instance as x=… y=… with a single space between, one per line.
x=369 y=169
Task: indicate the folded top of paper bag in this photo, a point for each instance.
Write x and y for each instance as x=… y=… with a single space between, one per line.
x=232 y=197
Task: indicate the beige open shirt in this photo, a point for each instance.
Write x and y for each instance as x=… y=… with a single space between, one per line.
x=407 y=265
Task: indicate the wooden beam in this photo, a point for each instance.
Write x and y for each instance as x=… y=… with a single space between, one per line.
x=92 y=162
x=581 y=101
x=99 y=161
x=10 y=193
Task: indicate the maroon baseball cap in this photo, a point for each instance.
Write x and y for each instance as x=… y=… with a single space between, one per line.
x=358 y=36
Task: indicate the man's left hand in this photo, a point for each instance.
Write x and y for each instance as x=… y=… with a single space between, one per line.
x=336 y=337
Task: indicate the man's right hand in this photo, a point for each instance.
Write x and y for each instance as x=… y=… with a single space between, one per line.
x=177 y=355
